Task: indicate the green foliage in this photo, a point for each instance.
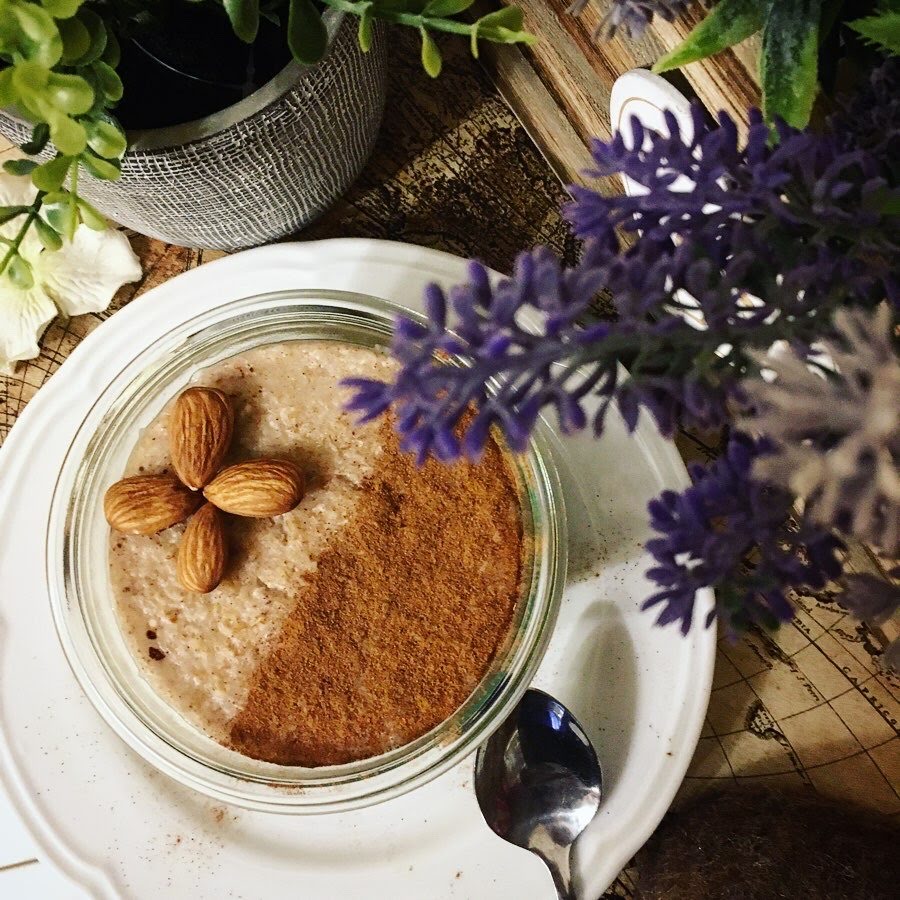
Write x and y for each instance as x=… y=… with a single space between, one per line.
x=244 y=16
x=792 y=32
x=790 y=58
x=881 y=29
x=53 y=74
x=505 y=26
x=58 y=62
x=728 y=23
x=365 y=33
x=306 y=34
x=431 y=56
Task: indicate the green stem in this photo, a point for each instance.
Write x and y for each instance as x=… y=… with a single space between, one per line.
x=33 y=212
x=72 y=217
x=414 y=20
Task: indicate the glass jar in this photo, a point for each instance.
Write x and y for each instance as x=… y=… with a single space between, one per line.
x=84 y=610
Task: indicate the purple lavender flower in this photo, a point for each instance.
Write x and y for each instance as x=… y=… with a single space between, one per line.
x=770 y=239
x=511 y=370
x=870 y=118
x=708 y=530
x=632 y=16
x=800 y=225
x=521 y=348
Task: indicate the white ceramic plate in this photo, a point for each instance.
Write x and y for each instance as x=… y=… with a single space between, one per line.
x=115 y=827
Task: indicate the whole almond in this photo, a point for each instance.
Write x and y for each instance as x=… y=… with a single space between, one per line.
x=203 y=552
x=257 y=488
x=200 y=429
x=145 y=504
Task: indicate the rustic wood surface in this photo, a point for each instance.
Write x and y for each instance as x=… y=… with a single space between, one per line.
x=560 y=87
x=808 y=707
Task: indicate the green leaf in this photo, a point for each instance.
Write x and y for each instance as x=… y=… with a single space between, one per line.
x=56 y=216
x=68 y=135
x=19 y=166
x=244 y=16
x=509 y=17
x=47 y=234
x=306 y=33
x=61 y=196
x=44 y=42
x=884 y=201
x=76 y=39
x=106 y=140
x=882 y=29
x=19 y=272
x=51 y=175
x=270 y=16
x=8 y=93
x=729 y=22
x=831 y=10
x=112 y=53
x=69 y=93
x=62 y=9
x=364 y=34
x=8 y=213
x=97 y=31
x=441 y=9
x=63 y=217
x=40 y=134
x=91 y=216
x=789 y=63
x=100 y=168
x=431 y=56
x=503 y=27
x=109 y=81
x=29 y=79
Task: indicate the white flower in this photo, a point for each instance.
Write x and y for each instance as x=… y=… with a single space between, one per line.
x=82 y=276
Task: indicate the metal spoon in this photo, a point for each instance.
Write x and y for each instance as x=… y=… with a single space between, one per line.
x=538 y=782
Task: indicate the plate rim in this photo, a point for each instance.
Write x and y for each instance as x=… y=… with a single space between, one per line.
x=438 y=265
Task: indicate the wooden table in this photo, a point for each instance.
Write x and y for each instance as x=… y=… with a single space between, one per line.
x=808 y=707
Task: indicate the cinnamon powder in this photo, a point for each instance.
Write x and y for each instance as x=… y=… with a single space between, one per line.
x=400 y=620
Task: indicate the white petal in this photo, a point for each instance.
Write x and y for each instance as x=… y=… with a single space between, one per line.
x=85 y=273
x=23 y=317
x=16 y=190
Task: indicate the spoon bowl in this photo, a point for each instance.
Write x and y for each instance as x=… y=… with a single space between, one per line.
x=538 y=782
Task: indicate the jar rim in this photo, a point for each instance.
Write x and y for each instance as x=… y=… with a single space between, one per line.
x=74 y=555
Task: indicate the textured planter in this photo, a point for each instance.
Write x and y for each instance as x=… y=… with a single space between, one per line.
x=260 y=169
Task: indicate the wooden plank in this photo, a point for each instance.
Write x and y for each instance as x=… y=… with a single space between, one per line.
x=729 y=80
x=542 y=117
x=560 y=88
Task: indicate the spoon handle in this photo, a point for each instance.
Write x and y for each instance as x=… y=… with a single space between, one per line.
x=557 y=858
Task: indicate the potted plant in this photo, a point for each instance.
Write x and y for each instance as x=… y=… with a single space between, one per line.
x=244 y=142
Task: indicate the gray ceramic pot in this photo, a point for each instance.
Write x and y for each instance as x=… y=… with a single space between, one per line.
x=260 y=169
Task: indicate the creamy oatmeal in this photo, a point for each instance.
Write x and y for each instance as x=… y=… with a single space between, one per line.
x=350 y=625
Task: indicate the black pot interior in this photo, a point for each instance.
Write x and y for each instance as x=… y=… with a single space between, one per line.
x=188 y=64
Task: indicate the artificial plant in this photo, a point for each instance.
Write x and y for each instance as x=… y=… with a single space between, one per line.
x=784 y=249
x=58 y=62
